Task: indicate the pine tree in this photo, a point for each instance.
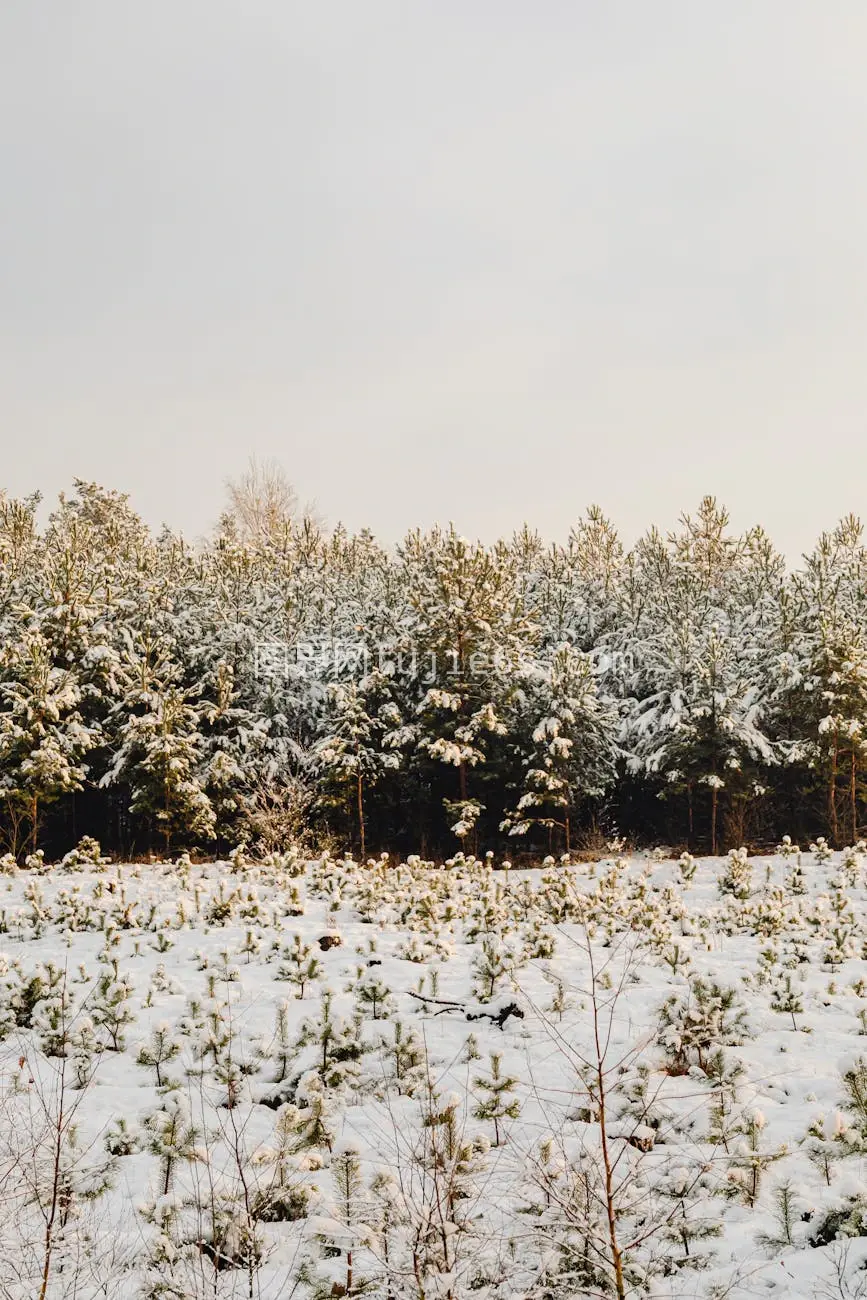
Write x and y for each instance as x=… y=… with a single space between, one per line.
x=172 y=1137
x=493 y=964
x=570 y=752
x=855 y=1092
x=335 y=1043
x=696 y=717
x=568 y=1223
x=315 y=1117
x=268 y=687
x=736 y=879
x=344 y=1228
x=466 y=634
x=374 y=996
x=819 y=679
x=405 y=1053
x=448 y=1162
x=43 y=738
x=708 y=1017
x=159 y=1051
x=499 y=1103
x=829 y=1139
x=352 y=751
x=692 y=1221
x=298 y=965
x=111 y=1010
x=285 y=1198
x=749 y=1161
x=786 y=998
x=159 y=758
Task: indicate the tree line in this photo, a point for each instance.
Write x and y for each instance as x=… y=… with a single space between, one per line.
x=280 y=679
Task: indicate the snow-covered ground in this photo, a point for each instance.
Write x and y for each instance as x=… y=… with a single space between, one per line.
x=275 y=1078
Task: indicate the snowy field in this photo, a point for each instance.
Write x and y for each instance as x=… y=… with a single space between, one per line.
x=266 y=1079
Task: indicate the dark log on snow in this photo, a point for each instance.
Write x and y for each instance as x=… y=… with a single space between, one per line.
x=498 y=1017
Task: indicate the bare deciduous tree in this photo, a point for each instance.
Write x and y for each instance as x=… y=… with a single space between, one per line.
x=262 y=503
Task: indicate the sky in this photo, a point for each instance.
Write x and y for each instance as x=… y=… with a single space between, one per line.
x=475 y=260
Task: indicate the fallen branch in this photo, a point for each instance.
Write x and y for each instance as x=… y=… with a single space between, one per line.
x=496 y=1017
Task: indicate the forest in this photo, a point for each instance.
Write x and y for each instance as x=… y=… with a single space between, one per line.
x=283 y=681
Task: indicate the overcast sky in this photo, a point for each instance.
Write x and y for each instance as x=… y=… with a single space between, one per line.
x=487 y=260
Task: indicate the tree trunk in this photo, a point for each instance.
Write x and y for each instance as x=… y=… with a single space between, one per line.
x=853 y=795
x=616 y=1258
x=714 y=801
x=360 y=794
x=689 y=834
x=34 y=817
x=832 y=797
x=167 y=809
x=57 y=1155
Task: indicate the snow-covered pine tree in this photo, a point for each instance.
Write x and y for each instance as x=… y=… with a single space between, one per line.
x=158 y=1051
x=343 y=1225
x=159 y=742
x=43 y=738
x=352 y=752
x=499 y=1102
x=818 y=679
x=466 y=635
x=569 y=750
x=696 y=713
x=172 y=1137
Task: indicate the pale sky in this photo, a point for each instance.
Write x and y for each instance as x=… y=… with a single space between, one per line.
x=481 y=260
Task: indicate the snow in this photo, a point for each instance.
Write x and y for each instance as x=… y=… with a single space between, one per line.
x=200 y=950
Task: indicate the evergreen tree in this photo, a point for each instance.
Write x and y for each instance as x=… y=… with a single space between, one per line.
x=467 y=633
x=697 y=709
x=43 y=738
x=571 y=749
x=159 y=758
x=352 y=750
x=344 y=1228
x=499 y=1103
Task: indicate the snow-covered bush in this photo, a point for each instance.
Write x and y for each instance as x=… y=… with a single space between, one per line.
x=709 y=1016
x=86 y=854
